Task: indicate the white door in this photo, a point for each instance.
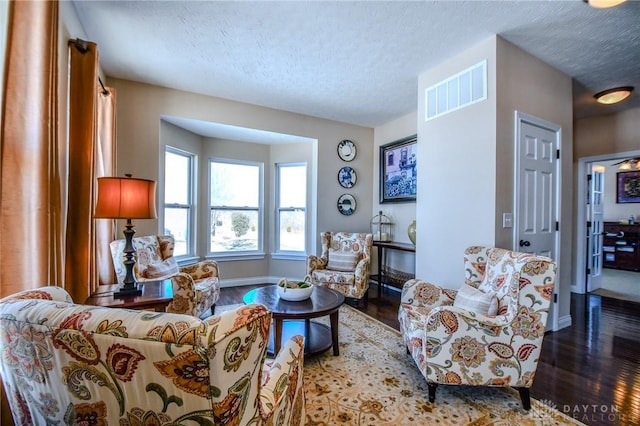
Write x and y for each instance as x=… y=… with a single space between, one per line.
x=595 y=214
x=537 y=192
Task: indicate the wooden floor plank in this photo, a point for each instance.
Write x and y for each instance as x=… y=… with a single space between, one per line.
x=590 y=371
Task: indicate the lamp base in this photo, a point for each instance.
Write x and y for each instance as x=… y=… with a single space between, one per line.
x=128 y=291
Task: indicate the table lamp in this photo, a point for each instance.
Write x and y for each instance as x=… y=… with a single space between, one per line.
x=126 y=198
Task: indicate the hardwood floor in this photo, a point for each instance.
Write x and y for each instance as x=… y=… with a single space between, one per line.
x=590 y=371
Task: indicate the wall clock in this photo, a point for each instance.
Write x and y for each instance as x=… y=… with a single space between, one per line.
x=347 y=177
x=347 y=150
x=346 y=204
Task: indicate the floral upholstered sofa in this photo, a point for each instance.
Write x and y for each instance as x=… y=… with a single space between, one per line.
x=344 y=265
x=69 y=364
x=453 y=343
x=196 y=288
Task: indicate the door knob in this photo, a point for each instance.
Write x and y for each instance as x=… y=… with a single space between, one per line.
x=524 y=243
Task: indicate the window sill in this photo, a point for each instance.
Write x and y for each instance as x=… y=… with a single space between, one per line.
x=289 y=256
x=228 y=257
x=187 y=260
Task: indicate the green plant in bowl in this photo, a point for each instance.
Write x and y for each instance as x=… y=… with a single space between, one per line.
x=295 y=290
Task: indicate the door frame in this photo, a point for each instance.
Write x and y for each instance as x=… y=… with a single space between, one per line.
x=579 y=284
x=520 y=118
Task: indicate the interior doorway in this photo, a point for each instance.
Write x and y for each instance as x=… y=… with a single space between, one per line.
x=609 y=282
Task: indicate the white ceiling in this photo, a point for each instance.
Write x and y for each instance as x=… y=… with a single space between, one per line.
x=355 y=62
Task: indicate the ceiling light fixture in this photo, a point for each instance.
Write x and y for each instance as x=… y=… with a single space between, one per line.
x=614 y=95
x=603 y=4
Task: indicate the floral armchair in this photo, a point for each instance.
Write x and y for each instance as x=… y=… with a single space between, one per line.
x=196 y=288
x=64 y=363
x=344 y=265
x=453 y=345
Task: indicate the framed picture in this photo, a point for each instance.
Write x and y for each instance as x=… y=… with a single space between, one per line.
x=628 y=187
x=398 y=168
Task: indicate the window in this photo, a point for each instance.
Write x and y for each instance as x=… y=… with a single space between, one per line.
x=291 y=200
x=178 y=196
x=235 y=205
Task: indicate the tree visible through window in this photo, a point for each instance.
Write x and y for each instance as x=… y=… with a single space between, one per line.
x=235 y=206
x=292 y=206
x=178 y=194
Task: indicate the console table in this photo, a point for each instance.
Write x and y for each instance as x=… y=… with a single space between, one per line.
x=383 y=246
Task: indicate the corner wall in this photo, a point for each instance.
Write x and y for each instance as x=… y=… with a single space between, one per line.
x=466 y=178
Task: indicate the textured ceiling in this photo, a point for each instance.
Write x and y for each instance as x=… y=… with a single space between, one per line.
x=356 y=62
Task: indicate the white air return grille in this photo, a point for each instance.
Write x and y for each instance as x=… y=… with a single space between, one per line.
x=463 y=89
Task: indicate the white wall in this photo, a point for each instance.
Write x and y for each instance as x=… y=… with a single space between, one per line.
x=613 y=211
x=457 y=174
x=4 y=28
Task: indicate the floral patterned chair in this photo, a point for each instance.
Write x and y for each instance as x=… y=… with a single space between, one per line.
x=67 y=364
x=453 y=343
x=344 y=265
x=196 y=288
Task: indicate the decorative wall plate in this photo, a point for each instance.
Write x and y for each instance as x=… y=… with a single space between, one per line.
x=346 y=204
x=347 y=177
x=347 y=150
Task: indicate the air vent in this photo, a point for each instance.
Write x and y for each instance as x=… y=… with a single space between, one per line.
x=463 y=89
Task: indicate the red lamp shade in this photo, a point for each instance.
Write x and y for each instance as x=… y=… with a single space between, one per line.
x=126 y=198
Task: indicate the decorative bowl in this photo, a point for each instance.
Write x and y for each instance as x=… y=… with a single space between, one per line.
x=294 y=291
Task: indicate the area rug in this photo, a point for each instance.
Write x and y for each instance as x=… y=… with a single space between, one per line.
x=375 y=382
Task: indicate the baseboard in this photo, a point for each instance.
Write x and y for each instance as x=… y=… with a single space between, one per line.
x=564 y=322
x=238 y=282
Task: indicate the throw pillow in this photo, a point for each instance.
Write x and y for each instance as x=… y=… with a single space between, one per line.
x=167 y=267
x=344 y=261
x=474 y=300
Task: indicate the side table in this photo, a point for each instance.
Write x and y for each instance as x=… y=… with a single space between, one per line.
x=156 y=295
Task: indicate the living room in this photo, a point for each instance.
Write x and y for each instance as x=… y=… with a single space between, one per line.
x=145 y=111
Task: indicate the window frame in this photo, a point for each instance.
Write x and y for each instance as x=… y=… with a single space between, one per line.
x=191 y=206
x=240 y=254
x=278 y=209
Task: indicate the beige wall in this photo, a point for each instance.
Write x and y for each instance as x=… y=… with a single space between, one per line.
x=467 y=181
x=607 y=134
x=401 y=214
x=528 y=85
x=141 y=106
x=457 y=174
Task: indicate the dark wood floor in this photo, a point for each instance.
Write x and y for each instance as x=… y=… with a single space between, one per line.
x=590 y=371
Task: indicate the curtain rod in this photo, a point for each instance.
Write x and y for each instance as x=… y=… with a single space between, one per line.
x=82 y=46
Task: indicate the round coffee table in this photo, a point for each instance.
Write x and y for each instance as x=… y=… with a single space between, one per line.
x=293 y=318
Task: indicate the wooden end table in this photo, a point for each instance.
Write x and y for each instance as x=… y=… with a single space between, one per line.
x=156 y=295
x=292 y=318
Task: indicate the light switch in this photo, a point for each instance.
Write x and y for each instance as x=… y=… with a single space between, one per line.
x=507 y=220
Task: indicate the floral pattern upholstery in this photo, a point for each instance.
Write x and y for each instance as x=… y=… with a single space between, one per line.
x=74 y=364
x=196 y=288
x=454 y=346
x=351 y=284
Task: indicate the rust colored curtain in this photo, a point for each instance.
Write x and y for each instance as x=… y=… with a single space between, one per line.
x=105 y=166
x=30 y=178
x=30 y=214
x=83 y=115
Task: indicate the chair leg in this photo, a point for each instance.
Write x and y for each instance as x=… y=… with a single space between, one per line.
x=524 y=397
x=213 y=309
x=432 y=391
